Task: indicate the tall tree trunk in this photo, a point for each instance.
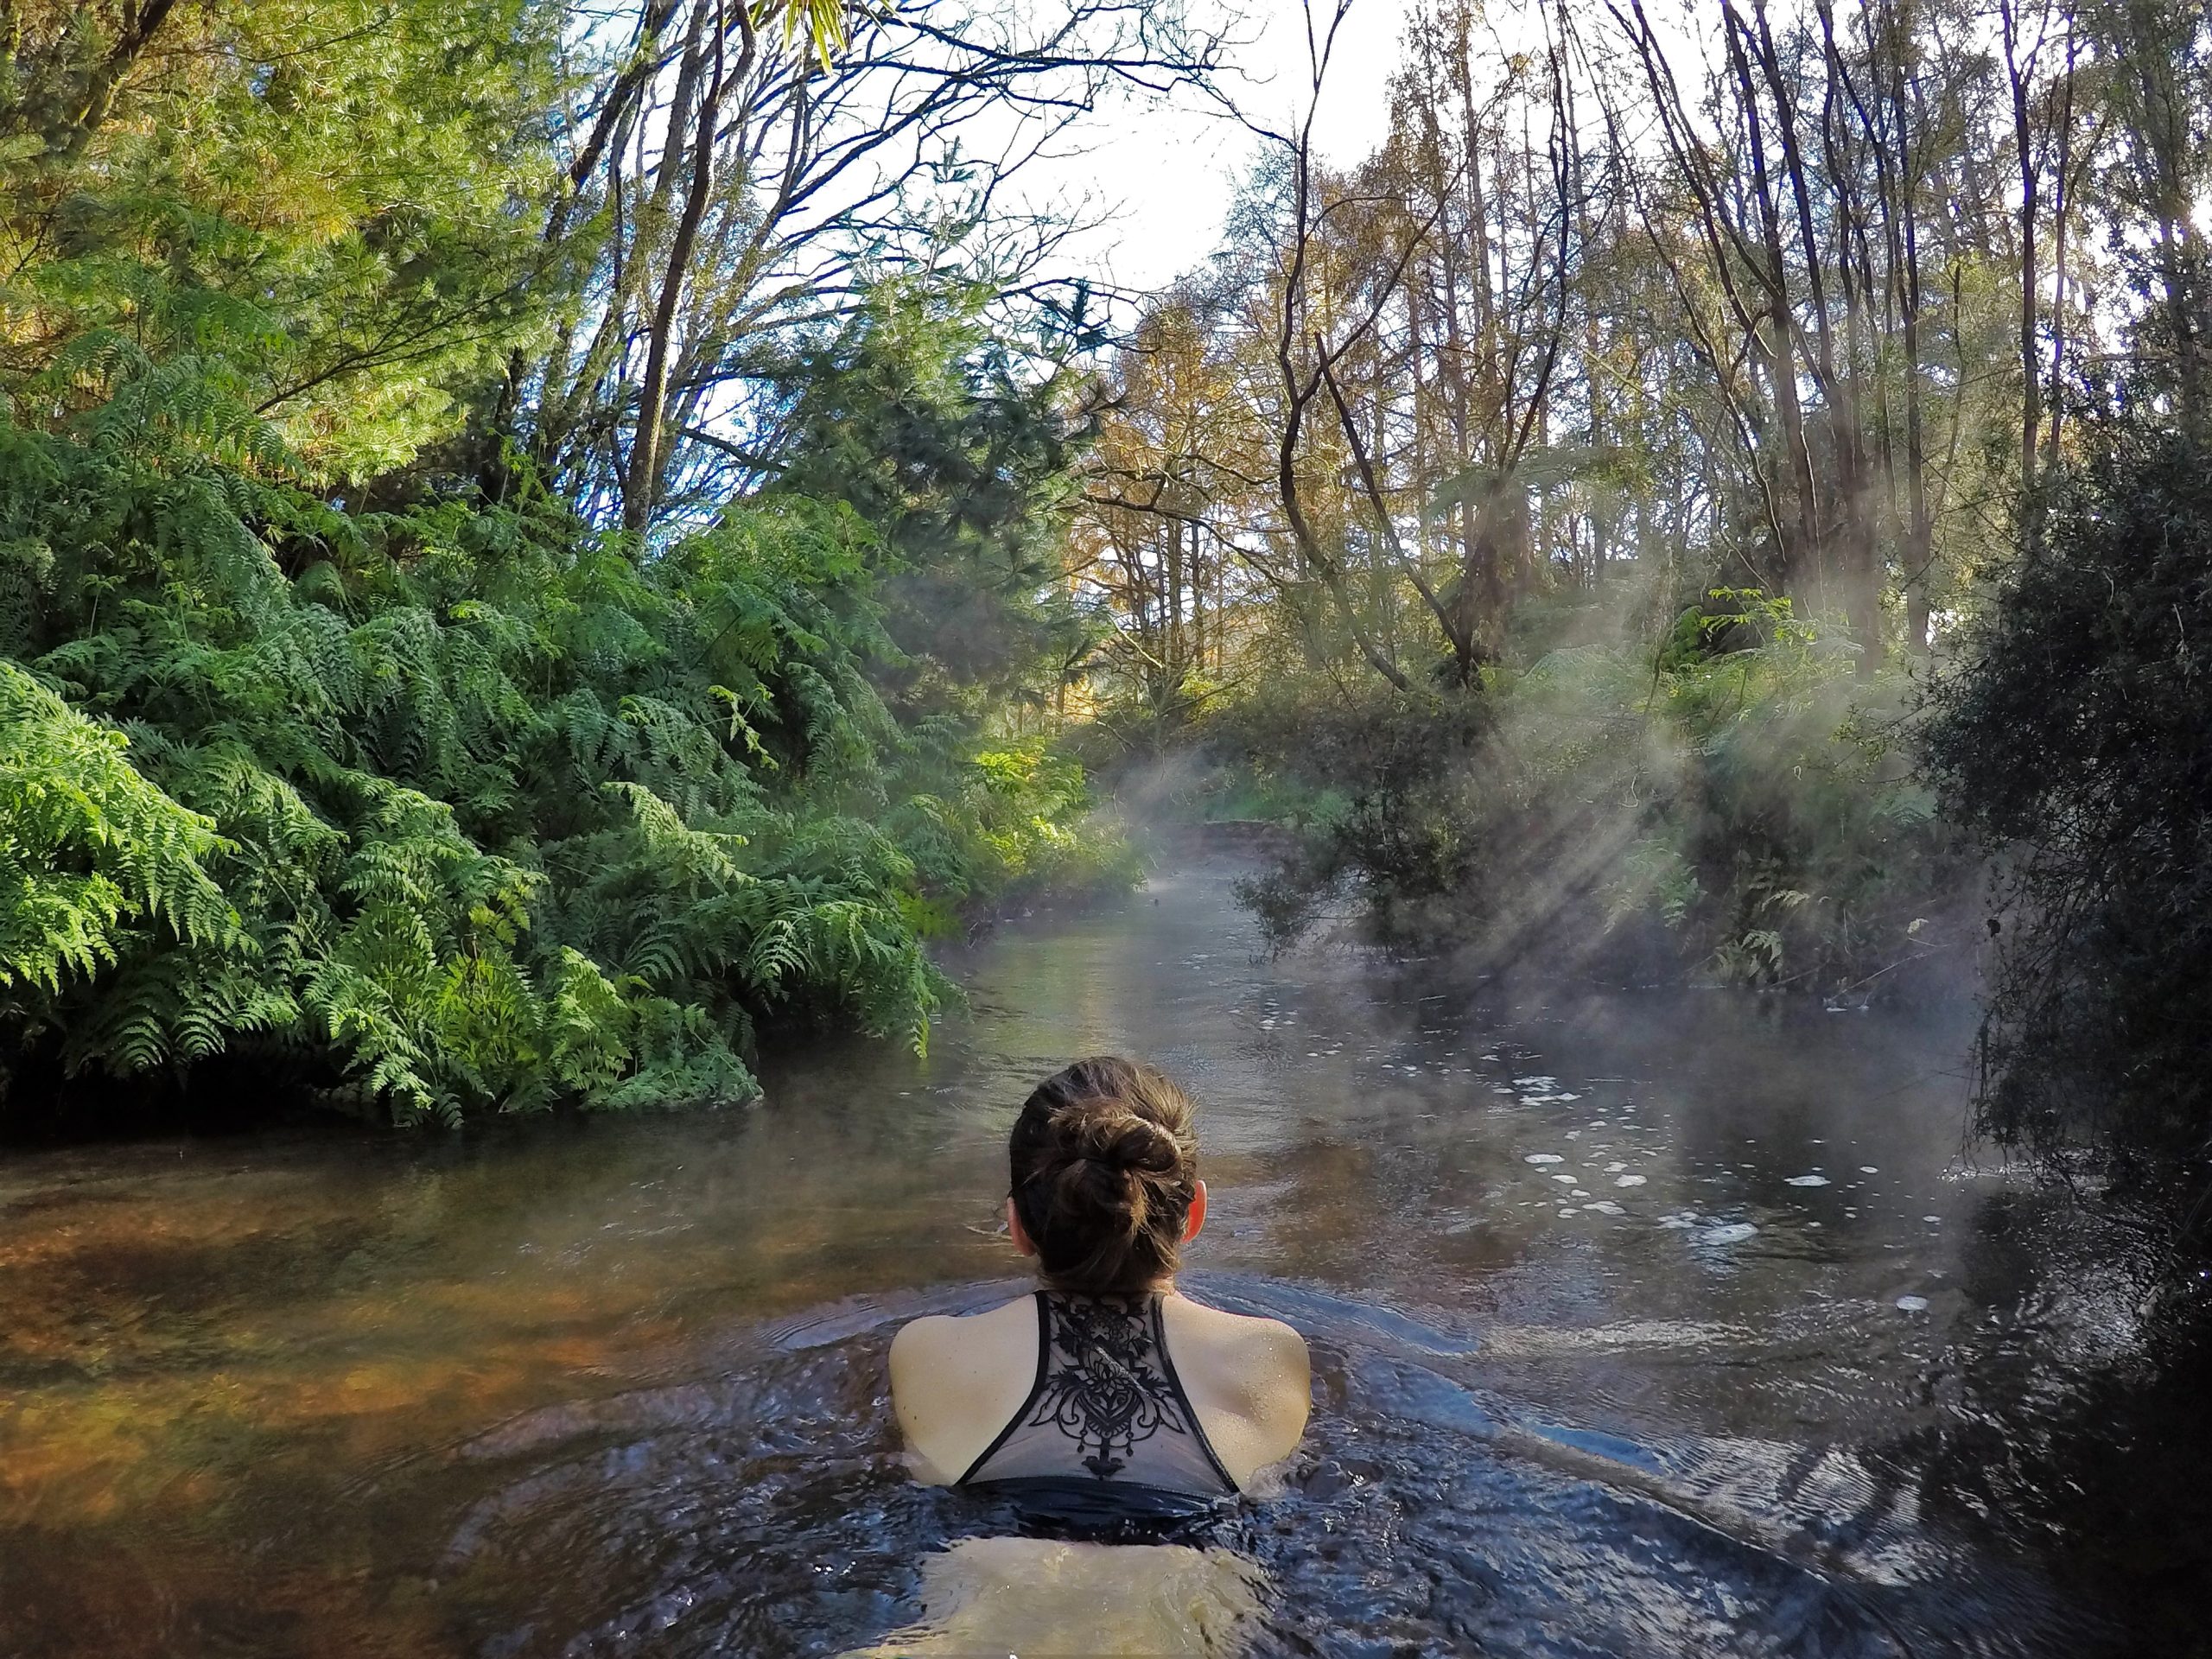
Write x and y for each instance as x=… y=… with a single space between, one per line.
x=1778 y=350
x=2018 y=75
x=2062 y=203
x=1902 y=240
x=648 y=459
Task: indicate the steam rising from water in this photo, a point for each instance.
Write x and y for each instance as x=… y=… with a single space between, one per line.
x=617 y=1389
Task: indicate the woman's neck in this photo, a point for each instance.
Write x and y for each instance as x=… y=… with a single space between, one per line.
x=1156 y=1287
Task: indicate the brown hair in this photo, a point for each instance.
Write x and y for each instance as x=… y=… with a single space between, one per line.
x=1105 y=1169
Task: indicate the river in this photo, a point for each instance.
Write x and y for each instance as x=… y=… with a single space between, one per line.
x=1653 y=1325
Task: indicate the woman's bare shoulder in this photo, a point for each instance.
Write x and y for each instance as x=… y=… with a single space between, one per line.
x=1250 y=1336
x=1250 y=1379
x=1254 y=1365
x=929 y=1340
x=957 y=1378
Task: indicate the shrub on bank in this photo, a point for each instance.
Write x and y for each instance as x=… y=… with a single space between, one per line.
x=1739 y=806
x=2077 y=737
x=461 y=808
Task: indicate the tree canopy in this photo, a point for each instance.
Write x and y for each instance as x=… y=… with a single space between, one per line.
x=1707 y=480
x=455 y=657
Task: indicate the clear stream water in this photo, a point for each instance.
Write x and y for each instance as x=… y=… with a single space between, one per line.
x=1642 y=1325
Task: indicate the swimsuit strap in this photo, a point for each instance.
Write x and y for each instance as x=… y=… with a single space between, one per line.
x=1036 y=1387
x=1182 y=1398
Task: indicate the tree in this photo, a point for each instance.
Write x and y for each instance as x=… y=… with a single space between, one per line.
x=2076 y=739
x=939 y=430
x=332 y=181
x=1175 y=478
x=2073 y=735
x=322 y=762
x=724 y=188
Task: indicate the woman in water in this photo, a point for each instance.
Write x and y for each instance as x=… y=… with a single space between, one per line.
x=1107 y=1395
x=1105 y=1404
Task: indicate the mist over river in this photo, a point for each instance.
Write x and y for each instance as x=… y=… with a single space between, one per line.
x=1642 y=1325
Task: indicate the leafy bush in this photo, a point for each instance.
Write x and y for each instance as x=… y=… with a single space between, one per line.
x=460 y=807
x=1382 y=788
x=1737 y=804
x=2077 y=738
x=1030 y=815
x=88 y=848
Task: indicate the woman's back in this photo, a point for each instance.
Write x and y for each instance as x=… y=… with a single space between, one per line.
x=1152 y=1393
x=1107 y=1388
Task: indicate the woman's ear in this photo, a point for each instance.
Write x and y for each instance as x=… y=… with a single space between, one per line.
x=1017 y=1232
x=1197 y=1218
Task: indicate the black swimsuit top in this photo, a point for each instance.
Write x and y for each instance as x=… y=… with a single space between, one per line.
x=1106 y=1429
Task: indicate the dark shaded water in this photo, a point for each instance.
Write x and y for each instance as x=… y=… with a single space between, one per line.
x=1641 y=1326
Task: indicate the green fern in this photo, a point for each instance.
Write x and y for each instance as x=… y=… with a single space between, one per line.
x=89 y=849
x=472 y=813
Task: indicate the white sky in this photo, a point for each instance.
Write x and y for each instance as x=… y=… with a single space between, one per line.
x=1173 y=171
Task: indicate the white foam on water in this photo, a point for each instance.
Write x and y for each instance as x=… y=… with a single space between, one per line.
x=1734 y=1233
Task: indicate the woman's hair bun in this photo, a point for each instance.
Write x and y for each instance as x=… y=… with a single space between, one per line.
x=1110 y=1132
x=1105 y=1169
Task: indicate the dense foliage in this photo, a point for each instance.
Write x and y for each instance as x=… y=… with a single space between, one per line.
x=535 y=538
x=2079 y=739
x=457 y=806
x=1735 y=806
x=347 y=750
x=1555 y=515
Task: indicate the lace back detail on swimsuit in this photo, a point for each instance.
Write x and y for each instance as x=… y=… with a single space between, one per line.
x=1107 y=1405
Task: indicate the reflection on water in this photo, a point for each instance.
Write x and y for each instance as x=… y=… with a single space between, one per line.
x=1641 y=1326
x=1041 y=1596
